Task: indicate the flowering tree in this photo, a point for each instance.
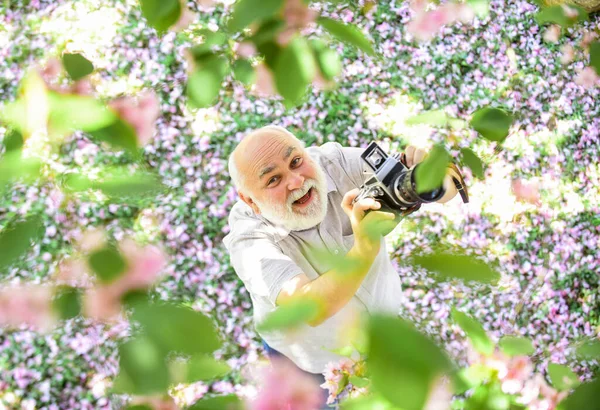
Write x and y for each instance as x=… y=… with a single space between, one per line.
x=90 y=154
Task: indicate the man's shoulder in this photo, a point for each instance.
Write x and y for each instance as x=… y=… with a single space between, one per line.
x=244 y=223
x=330 y=151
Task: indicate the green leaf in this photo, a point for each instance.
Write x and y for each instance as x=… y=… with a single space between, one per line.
x=585 y=396
x=16 y=240
x=492 y=123
x=329 y=63
x=139 y=407
x=121 y=184
x=346 y=351
x=77 y=66
x=473 y=162
x=516 y=346
x=359 y=381
x=370 y=402
x=229 y=402
x=119 y=134
x=204 y=367
x=14 y=167
x=142 y=368
x=436 y=118
x=204 y=83
x=429 y=174
x=161 y=14
x=244 y=72
x=403 y=362
x=267 y=31
x=480 y=7
x=589 y=350
x=562 y=377
x=107 y=263
x=295 y=68
x=290 y=315
x=78 y=112
x=347 y=33
x=13 y=140
x=246 y=12
x=472 y=377
x=595 y=56
x=556 y=15
x=67 y=302
x=177 y=328
x=475 y=332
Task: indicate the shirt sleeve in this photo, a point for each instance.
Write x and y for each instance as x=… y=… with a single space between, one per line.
x=353 y=164
x=261 y=265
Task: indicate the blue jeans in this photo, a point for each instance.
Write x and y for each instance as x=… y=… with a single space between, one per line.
x=318 y=377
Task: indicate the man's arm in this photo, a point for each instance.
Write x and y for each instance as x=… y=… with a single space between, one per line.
x=334 y=289
x=415 y=155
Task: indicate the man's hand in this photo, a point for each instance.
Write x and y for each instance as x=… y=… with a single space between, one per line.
x=368 y=227
x=414 y=155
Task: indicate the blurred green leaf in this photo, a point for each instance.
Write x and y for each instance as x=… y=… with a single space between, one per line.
x=403 y=362
x=107 y=263
x=290 y=315
x=119 y=134
x=329 y=63
x=345 y=351
x=142 y=368
x=77 y=66
x=492 y=123
x=475 y=332
x=370 y=402
x=462 y=267
x=120 y=183
x=436 y=118
x=161 y=14
x=430 y=173
x=211 y=39
x=13 y=140
x=556 y=15
x=359 y=381
x=244 y=72
x=294 y=70
x=562 y=377
x=229 y=402
x=585 y=396
x=204 y=367
x=29 y=113
x=595 y=56
x=139 y=407
x=473 y=162
x=516 y=346
x=14 y=167
x=67 y=302
x=589 y=350
x=246 y=12
x=347 y=33
x=267 y=31
x=16 y=240
x=177 y=328
x=205 y=81
x=78 y=112
x=480 y=7
x=472 y=376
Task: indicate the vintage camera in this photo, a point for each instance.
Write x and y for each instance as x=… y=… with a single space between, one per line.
x=393 y=183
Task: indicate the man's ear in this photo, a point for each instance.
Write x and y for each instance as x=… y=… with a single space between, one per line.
x=249 y=202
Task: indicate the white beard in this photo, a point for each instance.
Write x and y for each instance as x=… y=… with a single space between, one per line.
x=309 y=217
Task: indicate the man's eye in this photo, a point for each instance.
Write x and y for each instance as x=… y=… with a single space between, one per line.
x=296 y=161
x=272 y=181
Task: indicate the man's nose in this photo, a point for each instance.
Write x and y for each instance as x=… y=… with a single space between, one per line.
x=295 y=181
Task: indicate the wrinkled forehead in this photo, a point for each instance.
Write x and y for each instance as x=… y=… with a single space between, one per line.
x=264 y=152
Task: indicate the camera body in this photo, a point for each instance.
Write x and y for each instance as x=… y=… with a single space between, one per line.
x=393 y=183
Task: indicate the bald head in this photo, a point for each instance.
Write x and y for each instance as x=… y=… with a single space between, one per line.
x=250 y=160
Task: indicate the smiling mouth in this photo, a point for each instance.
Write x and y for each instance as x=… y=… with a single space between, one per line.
x=305 y=198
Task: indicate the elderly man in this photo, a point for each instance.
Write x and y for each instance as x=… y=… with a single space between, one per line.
x=295 y=201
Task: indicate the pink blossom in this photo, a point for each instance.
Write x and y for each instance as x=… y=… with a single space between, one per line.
x=141 y=113
x=587 y=77
x=552 y=34
x=526 y=191
x=587 y=38
x=297 y=14
x=27 y=305
x=265 y=85
x=245 y=49
x=186 y=18
x=440 y=395
x=427 y=23
x=285 y=387
x=568 y=54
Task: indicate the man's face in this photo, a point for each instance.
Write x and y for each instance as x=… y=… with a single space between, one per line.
x=284 y=184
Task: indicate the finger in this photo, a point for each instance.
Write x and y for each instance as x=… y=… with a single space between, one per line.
x=347 y=200
x=364 y=205
x=419 y=156
x=409 y=151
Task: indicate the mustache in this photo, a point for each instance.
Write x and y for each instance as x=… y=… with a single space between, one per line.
x=299 y=193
